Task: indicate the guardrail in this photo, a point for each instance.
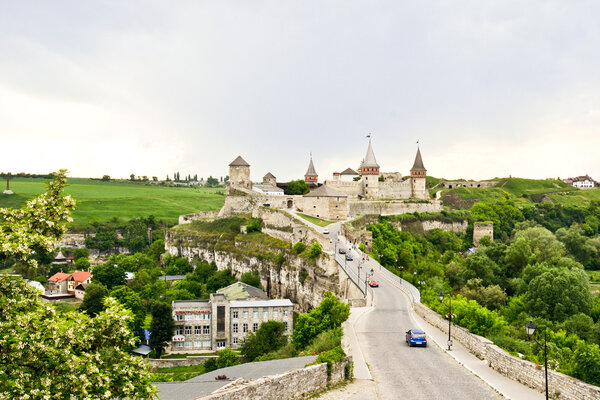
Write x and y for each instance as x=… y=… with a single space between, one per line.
x=362 y=285
x=408 y=287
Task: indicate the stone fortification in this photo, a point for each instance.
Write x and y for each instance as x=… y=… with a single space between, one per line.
x=199 y=216
x=392 y=207
x=468 y=184
x=296 y=384
x=283 y=226
x=481 y=230
x=298 y=279
x=561 y=386
x=395 y=189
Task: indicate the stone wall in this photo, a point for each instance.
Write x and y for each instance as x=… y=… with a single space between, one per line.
x=330 y=208
x=392 y=207
x=73 y=240
x=481 y=230
x=560 y=386
x=475 y=184
x=296 y=384
x=203 y=215
x=395 y=190
x=178 y=362
x=358 y=236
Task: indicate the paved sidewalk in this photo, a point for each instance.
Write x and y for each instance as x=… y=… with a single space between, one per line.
x=350 y=341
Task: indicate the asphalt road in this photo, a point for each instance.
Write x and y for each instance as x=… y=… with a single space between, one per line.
x=400 y=371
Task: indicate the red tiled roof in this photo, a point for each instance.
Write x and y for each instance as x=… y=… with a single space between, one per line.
x=80 y=276
x=59 y=277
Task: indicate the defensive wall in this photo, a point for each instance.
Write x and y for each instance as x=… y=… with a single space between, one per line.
x=392 y=207
x=561 y=386
x=296 y=384
x=199 y=216
x=468 y=184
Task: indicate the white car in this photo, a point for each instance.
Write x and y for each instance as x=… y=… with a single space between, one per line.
x=326 y=231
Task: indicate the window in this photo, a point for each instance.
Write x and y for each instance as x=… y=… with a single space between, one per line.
x=198 y=316
x=255 y=314
x=265 y=315
x=235 y=314
x=285 y=313
x=285 y=325
x=245 y=328
x=188 y=330
x=189 y=317
x=220 y=320
x=220 y=344
x=275 y=314
x=179 y=330
x=187 y=344
x=197 y=344
x=235 y=328
x=197 y=330
x=254 y=326
x=179 y=317
x=235 y=340
x=246 y=314
x=206 y=344
x=179 y=344
x=206 y=329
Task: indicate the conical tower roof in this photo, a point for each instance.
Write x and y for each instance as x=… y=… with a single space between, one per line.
x=239 y=162
x=370 y=161
x=311 y=169
x=418 y=165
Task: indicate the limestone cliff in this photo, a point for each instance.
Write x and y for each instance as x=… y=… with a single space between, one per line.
x=283 y=273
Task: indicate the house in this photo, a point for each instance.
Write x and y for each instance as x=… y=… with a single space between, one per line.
x=582 y=182
x=80 y=290
x=77 y=278
x=209 y=325
x=58 y=283
x=242 y=291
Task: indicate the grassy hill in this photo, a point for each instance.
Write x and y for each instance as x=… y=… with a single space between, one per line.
x=527 y=191
x=101 y=201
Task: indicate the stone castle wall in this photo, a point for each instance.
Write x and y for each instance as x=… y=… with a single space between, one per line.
x=392 y=207
x=395 y=190
x=331 y=208
x=561 y=386
x=481 y=230
x=199 y=216
x=350 y=188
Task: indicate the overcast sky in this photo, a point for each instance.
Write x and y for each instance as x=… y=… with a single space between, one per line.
x=490 y=88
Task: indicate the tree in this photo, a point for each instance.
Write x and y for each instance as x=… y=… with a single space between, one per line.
x=105 y=178
x=212 y=182
x=227 y=358
x=315 y=250
x=81 y=252
x=110 y=275
x=177 y=265
x=328 y=315
x=131 y=301
x=35 y=227
x=268 y=337
x=558 y=293
x=251 y=278
x=93 y=300
x=46 y=354
x=297 y=187
x=219 y=280
x=161 y=328
x=132 y=177
x=82 y=264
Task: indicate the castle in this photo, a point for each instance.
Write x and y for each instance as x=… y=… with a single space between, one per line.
x=348 y=194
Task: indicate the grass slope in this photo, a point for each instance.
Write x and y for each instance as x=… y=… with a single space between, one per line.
x=527 y=191
x=99 y=201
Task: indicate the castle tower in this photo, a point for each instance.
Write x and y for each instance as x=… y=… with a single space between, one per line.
x=418 y=175
x=311 y=175
x=370 y=175
x=239 y=175
x=269 y=179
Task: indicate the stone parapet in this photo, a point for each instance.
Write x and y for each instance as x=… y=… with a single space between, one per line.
x=178 y=362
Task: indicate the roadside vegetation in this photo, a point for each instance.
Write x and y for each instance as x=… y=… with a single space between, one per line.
x=315 y=220
x=537 y=268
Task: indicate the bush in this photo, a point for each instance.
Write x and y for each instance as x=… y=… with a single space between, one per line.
x=268 y=337
x=331 y=356
x=210 y=364
x=325 y=341
x=315 y=250
x=227 y=358
x=299 y=247
x=328 y=315
x=251 y=278
x=255 y=225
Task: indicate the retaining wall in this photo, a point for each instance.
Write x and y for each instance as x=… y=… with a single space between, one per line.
x=560 y=386
x=178 y=362
x=296 y=384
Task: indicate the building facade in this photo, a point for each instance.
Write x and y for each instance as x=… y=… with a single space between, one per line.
x=219 y=323
x=582 y=182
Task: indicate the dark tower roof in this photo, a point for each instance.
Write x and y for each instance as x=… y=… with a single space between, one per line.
x=239 y=162
x=418 y=165
x=311 y=169
x=370 y=161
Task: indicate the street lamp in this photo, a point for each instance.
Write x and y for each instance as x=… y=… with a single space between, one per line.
x=367 y=276
x=441 y=297
x=415 y=280
x=530 y=329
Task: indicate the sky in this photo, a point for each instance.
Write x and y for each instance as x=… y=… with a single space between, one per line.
x=488 y=88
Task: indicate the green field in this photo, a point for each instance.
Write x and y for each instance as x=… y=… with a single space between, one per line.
x=528 y=191
x=99 y=201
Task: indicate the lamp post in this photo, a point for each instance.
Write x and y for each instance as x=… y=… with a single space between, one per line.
x=530 y=329
x=367 y=276
x=415 y=280
x=441 y=297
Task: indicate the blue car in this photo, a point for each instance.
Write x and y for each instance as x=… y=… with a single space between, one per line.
x=349 y=257
x=416 y=337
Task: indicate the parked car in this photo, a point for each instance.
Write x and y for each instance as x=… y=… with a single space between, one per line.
x=373 y=282
x=342 y=251
x=349 y=257
x=416 y=337
x=325 y=231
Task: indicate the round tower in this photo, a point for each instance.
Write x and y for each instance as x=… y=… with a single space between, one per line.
x=370 y=175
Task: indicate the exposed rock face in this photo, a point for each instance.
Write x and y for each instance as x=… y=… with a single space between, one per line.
x=298 y=279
